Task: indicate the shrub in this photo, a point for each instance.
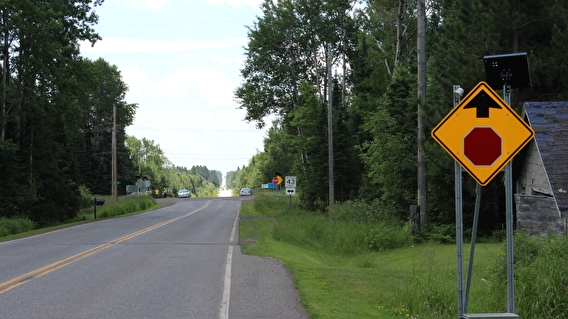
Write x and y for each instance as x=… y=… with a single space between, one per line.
x=86 y=198
x=361 y=211
x=15 y=225
x=436 y=233
x=387 y=237
x=124 y=206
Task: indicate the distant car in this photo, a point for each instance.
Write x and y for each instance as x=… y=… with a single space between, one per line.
x=184 y=193
x=246 y=191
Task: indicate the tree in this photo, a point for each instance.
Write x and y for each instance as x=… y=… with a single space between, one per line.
x=280 y=154
x=390 y=157
x=38 y=106
x=148 y=159
x=213 y=177
x=287 y=50
x=378 y=114
x=311 y=118
x=105 y=90
x=460 y=34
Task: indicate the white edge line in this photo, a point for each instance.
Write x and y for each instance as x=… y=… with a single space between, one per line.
x=227 y=286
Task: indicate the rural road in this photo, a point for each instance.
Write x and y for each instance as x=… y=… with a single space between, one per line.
x=180 y=261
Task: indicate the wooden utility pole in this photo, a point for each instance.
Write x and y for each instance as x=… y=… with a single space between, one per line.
x=421 y=46
x=330 y=127
x=114 y=170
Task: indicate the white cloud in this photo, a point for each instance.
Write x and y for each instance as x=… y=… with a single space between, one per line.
x=137 y=79
x=234 y=60
x=203 y=85
x=215 y=86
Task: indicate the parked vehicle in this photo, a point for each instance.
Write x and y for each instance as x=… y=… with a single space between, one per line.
x=184 y=193
x=246 y=191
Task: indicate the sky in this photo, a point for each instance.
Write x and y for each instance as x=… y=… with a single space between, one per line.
x=181 y=60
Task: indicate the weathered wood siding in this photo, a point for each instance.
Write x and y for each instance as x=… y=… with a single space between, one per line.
x=532 y=178
x=538 y=215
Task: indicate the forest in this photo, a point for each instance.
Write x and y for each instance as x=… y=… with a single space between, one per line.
x=361 y=57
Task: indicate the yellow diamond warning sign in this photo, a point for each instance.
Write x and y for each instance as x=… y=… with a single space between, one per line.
x=483 y=133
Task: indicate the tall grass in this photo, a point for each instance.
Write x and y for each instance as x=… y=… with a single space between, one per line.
x=541 y=276
x=125 y=205
x=343 y=230
x=356 y=262
x=15 y=225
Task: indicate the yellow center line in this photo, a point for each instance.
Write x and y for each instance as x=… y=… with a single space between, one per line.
x=20 y=280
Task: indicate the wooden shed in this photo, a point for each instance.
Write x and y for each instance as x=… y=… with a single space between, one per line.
x=541 y=190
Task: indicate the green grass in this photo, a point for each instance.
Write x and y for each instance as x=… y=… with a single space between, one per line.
x=18 y=227
x=346 y=268
x=411 y=281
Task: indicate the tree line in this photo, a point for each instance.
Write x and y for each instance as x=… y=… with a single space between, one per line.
x=56 y=106
x=56 y=117
x=372 y=46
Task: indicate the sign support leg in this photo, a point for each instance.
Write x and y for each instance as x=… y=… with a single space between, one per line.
x=509 y=212
x=510 y=239
x=459 y=238
x=472 y=245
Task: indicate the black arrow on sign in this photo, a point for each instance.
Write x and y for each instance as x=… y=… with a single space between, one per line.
x=482 y=103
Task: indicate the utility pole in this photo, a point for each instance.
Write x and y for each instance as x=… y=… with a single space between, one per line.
x=330 y=126
x=114 y=170
x=421 y=46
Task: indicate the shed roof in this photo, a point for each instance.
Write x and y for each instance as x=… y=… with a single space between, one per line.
x=549 y=120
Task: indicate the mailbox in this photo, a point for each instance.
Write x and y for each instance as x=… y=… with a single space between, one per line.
x=97 y=202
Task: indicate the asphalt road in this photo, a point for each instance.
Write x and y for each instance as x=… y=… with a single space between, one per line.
x=181 y=261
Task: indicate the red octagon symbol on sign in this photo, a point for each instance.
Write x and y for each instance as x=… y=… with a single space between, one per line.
x=482 y=146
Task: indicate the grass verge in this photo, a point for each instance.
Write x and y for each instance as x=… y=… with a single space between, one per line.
x=412 y=281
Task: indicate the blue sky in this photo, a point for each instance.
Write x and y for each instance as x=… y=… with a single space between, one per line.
x=181 y=60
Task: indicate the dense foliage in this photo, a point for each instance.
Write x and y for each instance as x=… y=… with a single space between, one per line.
x=374 y=92
x=56 y=117
x=49 y=96
x=56 y=106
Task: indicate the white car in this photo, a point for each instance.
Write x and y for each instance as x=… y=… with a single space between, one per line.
x=184 y=193
x=246 y=191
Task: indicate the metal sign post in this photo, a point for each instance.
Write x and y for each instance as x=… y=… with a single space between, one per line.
x=459 y=134
x=509 y=222
x=459 y=217
x=499 y=70
x=290 y=183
